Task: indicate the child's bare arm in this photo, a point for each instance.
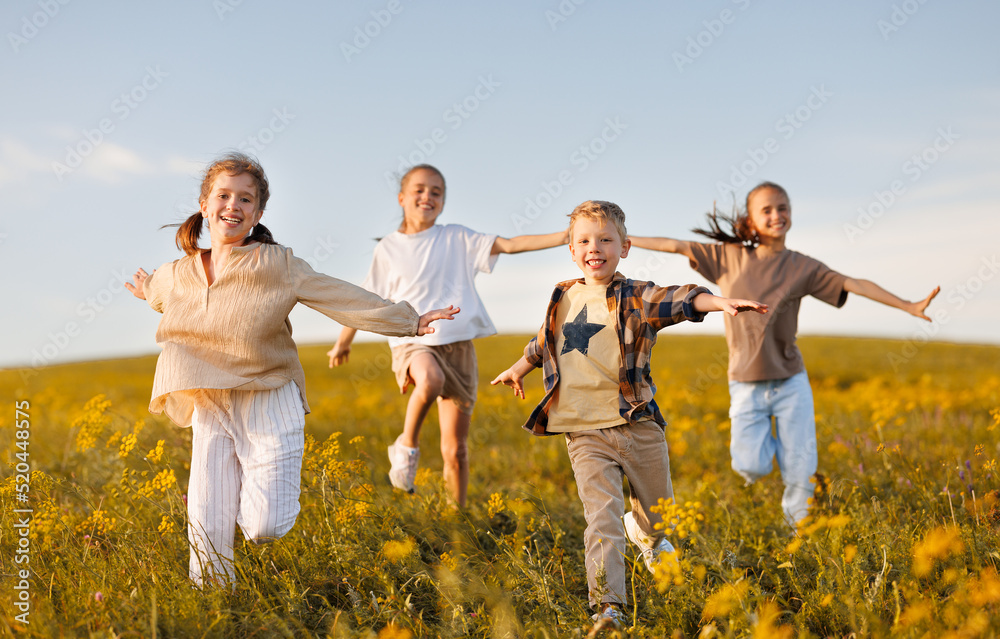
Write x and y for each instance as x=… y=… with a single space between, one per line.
x=342 y=349
x=706 y=303
x=873 y=291
x=512 y=376
x=666 y=244
x=136 y=286
x=523 y=243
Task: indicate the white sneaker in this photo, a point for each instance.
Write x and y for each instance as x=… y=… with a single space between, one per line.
x=648 y=546
x=611 y=617
x=403 y=465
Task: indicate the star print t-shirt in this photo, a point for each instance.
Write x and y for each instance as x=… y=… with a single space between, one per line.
x=589 y=358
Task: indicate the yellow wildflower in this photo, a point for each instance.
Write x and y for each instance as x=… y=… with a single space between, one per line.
x=392 y=631
x=167 y=525
x=395 y=550
x=721 y=602
x=91 y=422
x=849 y=552
x=495 y=506
x=157 y=453
x=939 y=543
x=985 y=589
x=915 y=613
x=767 y=619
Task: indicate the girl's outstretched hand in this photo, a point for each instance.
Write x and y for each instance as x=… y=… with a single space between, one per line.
x=136 y=287
x=442 y=313
x=735 y=307
x=918 y=308
x=512 y=379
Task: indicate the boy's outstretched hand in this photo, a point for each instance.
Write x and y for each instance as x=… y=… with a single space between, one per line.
x=514 y=375
x=735 y=307
x=442 y=313
x=510 y=378
x=706 y=303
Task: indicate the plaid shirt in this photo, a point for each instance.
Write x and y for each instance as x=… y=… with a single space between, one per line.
x=640 y=309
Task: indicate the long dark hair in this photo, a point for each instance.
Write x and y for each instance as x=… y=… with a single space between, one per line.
x=740 y=230
x=189 y=231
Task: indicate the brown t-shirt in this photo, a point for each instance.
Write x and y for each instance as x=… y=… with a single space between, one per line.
x=763 y=347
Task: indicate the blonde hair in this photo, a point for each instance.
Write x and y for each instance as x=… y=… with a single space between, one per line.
x=600 y=210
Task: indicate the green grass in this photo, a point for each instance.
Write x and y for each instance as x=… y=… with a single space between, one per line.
x=903 y=541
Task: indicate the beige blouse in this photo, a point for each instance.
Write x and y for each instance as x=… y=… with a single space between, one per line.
x=235 y=334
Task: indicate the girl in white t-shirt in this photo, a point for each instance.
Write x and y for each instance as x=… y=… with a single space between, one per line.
x=424 y=262
x=767 y=377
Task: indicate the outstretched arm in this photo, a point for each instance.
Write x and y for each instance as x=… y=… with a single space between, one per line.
x=706 y=303
x=342 y=349
x=512 y=376
x=873 y=291
x=136 y=287
x=523 y=243
x=666 y=244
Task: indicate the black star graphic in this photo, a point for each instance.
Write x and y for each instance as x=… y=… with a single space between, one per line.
x=578 y=333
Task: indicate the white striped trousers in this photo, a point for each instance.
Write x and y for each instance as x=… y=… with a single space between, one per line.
x=246 y=459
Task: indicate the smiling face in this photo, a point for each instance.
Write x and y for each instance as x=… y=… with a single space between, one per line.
x=770 y=216
x=597 y=248
x=422 y=199
x=231 y=208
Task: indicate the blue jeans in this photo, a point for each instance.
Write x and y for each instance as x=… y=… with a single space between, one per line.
x=753 y=446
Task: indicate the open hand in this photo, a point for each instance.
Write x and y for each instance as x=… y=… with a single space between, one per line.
x=735 y=307
x=918 y=308
x=510 y=378
x=431 y=316
x=136 y=287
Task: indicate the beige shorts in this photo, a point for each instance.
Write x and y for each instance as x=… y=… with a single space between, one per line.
x=457 y=362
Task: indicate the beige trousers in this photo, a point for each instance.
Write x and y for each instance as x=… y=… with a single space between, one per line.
x=600 y=459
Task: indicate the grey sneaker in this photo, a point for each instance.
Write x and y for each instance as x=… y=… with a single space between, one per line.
x=648 y=546
x=403 y=465
x=610 y=617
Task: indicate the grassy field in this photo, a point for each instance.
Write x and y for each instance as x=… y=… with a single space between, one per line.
x=903 y=540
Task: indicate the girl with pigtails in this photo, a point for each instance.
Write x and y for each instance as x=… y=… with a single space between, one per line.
x=229 y=368
x=767 y=377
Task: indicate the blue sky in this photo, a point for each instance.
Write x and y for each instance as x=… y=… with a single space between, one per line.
x=882 y=120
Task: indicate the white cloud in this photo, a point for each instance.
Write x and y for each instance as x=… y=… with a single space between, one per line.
x=110 y=163
x=183 y=166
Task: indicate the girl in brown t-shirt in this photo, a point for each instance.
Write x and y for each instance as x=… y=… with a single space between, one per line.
x=767 y=377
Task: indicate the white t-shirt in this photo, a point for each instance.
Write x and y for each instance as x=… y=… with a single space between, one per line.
x=434 y=269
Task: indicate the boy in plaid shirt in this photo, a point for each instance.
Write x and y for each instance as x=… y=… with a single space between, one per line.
x=594 y=350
